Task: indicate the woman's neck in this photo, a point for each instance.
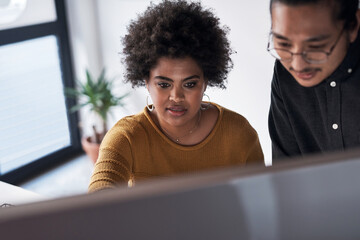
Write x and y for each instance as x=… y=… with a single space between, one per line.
x=179 y=134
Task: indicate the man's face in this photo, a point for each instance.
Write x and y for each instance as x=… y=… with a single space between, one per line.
x=310 y=27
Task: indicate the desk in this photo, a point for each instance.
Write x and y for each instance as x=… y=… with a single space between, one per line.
x=14 y=195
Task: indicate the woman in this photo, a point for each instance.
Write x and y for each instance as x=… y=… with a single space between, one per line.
x=176 y=49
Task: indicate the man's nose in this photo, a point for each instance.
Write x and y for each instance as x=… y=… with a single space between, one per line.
x=298 y=62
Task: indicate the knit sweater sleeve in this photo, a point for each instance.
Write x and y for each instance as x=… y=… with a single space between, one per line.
x=254 y=154
x=114 y=163
x=240 y=139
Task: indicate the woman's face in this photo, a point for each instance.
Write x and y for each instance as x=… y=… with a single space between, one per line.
x=176 y=87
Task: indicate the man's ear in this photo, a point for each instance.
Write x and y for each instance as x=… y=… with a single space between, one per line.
x=354 y=32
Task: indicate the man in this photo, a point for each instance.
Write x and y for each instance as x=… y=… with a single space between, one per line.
x=315 y=99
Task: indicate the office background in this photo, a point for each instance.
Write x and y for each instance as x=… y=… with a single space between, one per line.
x=96 y=28
x=47 y=44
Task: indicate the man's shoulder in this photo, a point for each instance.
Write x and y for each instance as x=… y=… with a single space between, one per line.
x=281 y=74
x=283 y=81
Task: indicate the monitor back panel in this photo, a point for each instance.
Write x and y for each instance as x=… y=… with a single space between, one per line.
x=320 y=201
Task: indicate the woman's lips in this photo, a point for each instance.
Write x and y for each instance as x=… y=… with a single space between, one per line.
x=176 y=111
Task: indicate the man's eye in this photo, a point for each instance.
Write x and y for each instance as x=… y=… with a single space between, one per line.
x=317 y=46
x=283 y=44
x=163 y=85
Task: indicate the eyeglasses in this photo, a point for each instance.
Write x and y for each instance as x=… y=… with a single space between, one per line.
x=311 y=56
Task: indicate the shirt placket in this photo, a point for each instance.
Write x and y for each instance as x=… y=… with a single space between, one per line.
x=334 y=110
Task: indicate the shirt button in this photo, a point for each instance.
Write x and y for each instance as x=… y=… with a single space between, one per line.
x=350 y=70
x=335 y=126
x=333 y=84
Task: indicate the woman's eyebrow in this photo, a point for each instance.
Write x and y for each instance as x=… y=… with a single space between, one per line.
x=192 y=77
x=169 y=79
x=163 y=78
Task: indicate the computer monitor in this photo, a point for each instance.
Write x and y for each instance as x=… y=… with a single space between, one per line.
x=313 y=198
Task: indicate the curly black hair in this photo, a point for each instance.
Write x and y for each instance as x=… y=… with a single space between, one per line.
x=177 y=29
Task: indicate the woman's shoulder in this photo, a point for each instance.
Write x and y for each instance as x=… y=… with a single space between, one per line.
x=132 y=119
x=231 y=116
x=130 y=123
x=235 y=121
x=127 y=127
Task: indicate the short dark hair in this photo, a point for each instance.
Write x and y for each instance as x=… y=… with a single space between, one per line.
x=343 y=9
x=177 y=29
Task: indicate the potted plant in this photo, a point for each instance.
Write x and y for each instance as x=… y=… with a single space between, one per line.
x=98 y=96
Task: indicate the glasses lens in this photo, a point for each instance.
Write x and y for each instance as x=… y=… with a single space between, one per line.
x=280 y=54
x=315 y=56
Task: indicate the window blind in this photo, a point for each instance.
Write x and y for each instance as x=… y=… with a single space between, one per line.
x=33 y=117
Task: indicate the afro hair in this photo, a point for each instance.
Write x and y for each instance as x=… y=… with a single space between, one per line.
x=177 y=29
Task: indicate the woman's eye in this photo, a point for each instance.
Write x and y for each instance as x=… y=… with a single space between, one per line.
x=163 y=85
x=190 y=84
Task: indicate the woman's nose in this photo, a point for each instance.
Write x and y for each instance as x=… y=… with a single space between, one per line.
x=176 y=95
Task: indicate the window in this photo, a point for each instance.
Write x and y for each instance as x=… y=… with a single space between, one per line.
x=36 y=128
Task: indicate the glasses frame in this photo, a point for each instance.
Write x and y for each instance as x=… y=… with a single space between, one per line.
x=304 y=53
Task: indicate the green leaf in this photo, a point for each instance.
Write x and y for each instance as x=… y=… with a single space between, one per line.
x=72 y=93
x=77 y=107
x=97 y=94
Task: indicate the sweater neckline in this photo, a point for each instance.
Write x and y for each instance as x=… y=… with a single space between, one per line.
x=187 y=147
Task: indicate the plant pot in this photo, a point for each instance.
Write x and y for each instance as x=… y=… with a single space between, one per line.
x=91 y=149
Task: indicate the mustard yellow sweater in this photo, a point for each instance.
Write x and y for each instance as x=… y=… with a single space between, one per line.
x=136 y=149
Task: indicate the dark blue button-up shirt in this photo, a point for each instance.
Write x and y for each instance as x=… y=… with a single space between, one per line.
x=326 y=117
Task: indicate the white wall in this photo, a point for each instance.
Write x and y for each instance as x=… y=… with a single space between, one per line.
x=98 y=25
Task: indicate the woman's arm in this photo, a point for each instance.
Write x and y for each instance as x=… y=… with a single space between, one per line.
x=114 y=165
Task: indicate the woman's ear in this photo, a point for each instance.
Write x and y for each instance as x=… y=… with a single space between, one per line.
x=206 y=84
x=147 y=84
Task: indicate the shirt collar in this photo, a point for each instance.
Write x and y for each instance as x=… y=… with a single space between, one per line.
x=349 y=63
